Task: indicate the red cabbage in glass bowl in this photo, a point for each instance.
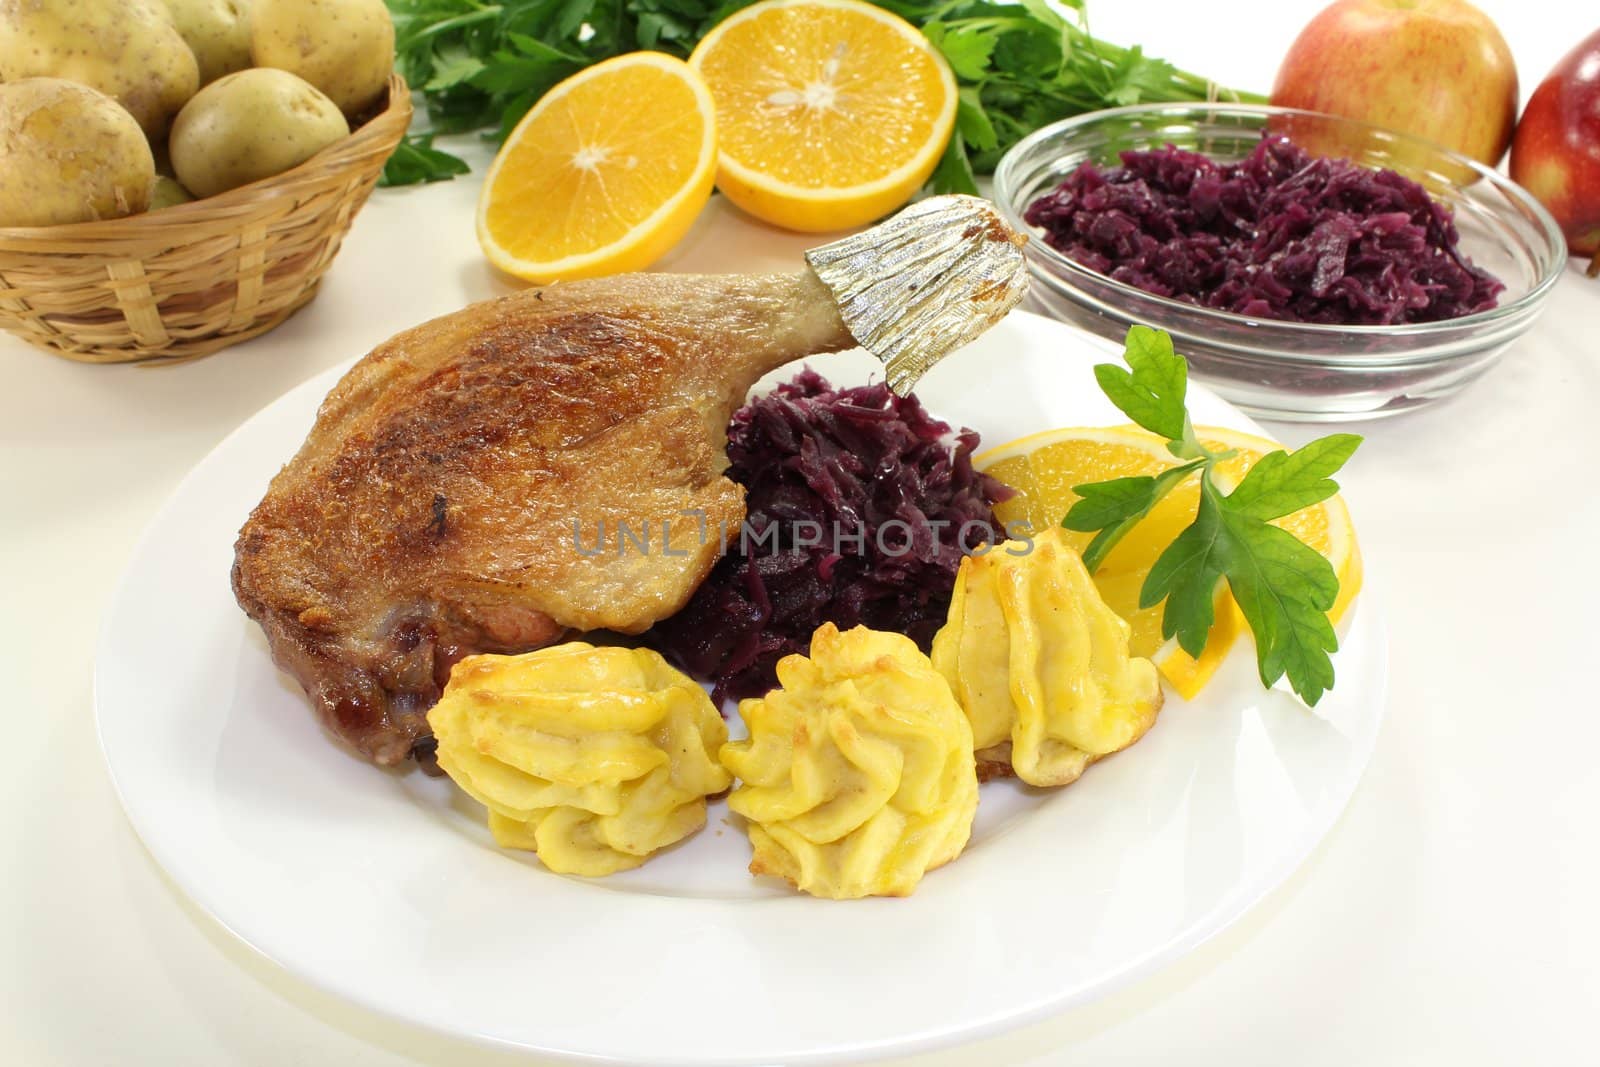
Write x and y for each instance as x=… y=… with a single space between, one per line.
x=1272 y=367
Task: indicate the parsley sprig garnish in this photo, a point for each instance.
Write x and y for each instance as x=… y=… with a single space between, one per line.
x=1283 y=587
x=1019 y=64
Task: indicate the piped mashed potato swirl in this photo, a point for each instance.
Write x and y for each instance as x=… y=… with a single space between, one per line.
x=858 y=774
x=595 y=758
x=1040 y=664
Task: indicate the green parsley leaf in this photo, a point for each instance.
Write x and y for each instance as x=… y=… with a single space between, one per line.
x=966 y=49
x=451 y=70
x=416 y=160
x=1047 y=15
x=1282 y=483
x=1186 y=575
x=1108 y=502
x=1283 y=587
x=1135 y=78
x=954 y=172
x=537 y=49
x=973 y=122
x=1152 y=393
x=1114 y=507
x=1285 y=590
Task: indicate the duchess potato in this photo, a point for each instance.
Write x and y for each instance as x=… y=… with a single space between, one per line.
x=249 y=126
x=69 y=154
x=216 y=31
x=343 y=47
x=128 y=49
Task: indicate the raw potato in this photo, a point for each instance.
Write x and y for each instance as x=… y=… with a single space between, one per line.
x=216 y=31
x=127 y=49
x=248 y=126
x=69 y=154
x=343 y=47
x=168 y=193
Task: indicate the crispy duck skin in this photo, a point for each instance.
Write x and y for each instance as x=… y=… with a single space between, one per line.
x=553 y=461
x=463 y=486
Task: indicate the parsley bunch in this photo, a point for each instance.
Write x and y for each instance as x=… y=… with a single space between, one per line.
x=1020 y=64
x=1284 y=587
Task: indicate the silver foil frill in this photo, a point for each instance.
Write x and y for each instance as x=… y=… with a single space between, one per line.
x=917 y=287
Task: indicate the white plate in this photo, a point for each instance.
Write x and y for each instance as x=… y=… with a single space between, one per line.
x=384 y=888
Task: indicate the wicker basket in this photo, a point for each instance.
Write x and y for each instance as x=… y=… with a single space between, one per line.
x=188 y=280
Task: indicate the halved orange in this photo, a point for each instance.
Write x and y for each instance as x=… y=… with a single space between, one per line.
x=1044 y=467
x=830 y=113
x=605 y=173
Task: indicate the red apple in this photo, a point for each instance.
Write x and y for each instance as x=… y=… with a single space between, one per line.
x=1438 y=69
x=1556 y=152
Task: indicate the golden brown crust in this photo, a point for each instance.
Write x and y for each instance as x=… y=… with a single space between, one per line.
x=464 y=487
x=995 y=762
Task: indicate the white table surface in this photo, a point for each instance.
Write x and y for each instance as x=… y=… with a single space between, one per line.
x=1450 y=917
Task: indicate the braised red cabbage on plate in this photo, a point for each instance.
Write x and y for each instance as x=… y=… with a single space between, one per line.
x=860 y=506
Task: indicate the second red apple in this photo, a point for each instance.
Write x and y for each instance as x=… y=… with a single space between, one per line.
x=1556 y=152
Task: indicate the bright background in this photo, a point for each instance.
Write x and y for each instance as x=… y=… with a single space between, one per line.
x=1450 y=918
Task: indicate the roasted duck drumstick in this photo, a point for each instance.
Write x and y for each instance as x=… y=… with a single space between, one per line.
x=466 y=485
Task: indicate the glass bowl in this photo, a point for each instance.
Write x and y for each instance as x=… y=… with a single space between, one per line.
x=1290 y=370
